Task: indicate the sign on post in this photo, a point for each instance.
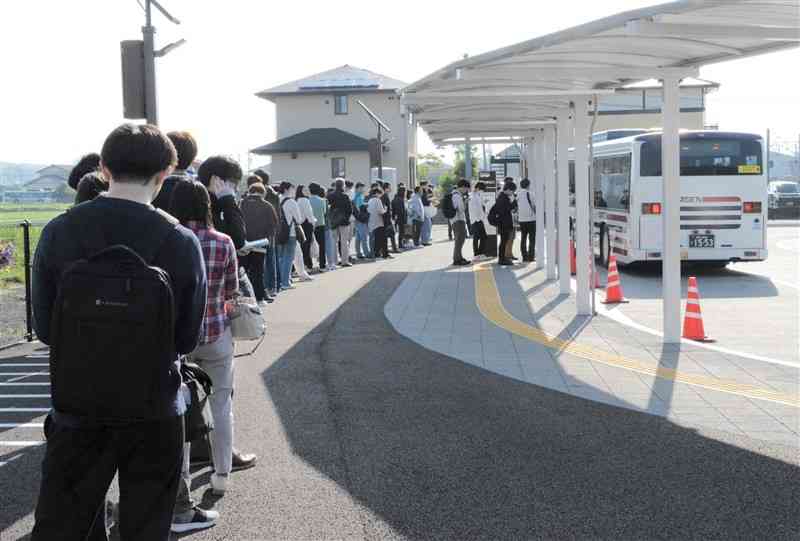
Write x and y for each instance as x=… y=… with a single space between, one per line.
x=133 y=92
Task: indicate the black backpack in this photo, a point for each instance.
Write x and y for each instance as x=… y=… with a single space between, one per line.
x=113 y=329
x=494 y=216
x=448 y=209
x=283 y=226
x=363 y=214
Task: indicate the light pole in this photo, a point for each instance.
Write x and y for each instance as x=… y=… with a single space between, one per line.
x=149 y=54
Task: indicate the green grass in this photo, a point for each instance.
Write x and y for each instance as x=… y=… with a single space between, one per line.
x=11 y=215
x=33 y=212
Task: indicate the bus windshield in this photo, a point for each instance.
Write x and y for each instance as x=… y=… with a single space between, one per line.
x=707 y=157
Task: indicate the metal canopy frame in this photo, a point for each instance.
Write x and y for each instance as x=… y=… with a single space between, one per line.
x=521 y=90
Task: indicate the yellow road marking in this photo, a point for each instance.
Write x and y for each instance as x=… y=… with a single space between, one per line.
x=491 y=307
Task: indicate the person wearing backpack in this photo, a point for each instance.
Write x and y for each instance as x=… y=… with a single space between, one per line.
x=341 y=211
x=458 y=219
x=476 y=214
x=119 y=292
x=501 y=217
x=191 y=205
x=363 y=249
x=289 y=221
x=527 y=221
x=377 y=230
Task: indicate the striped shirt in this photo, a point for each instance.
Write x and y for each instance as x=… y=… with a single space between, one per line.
x=222 y=275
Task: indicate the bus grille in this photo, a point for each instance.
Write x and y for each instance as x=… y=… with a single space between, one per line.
x=710 y=213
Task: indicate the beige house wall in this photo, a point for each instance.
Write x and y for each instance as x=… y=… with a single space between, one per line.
x=297 y=113
x=310 y=167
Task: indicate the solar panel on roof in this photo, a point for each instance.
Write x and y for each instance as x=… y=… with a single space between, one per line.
x=340 y=83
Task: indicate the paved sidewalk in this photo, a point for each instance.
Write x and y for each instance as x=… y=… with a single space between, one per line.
x=519 y=326
x=364 y=434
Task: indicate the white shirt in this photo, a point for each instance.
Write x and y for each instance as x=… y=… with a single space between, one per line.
x=306 y=212
x=292 y=213
x=376 y=212
x=477 y=211
x=526 y=205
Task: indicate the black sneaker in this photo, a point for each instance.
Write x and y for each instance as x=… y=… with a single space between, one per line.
x=196 y=519
x=243 y=461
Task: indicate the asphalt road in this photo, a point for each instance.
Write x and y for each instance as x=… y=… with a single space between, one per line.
x=751 y=308
x=363 y=434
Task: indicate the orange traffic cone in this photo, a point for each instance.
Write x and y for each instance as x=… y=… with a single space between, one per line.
x=613 y=285
x=572 y=264
x=693 y=319
x=594 y=276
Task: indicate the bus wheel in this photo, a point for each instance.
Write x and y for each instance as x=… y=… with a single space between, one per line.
x=605 y=246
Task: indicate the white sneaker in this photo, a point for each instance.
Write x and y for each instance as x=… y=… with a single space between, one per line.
x=219 y=484
x=263 y=304
x=306 y=278
x=196 y=519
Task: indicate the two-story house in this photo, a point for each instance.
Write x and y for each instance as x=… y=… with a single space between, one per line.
x=323 y=133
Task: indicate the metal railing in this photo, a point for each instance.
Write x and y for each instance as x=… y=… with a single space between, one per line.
x=17 y=242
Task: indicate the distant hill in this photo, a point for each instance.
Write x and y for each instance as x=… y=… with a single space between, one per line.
x=17 y=174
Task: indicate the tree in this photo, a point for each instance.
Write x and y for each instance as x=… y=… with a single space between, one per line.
x=427 y=162
x=459 y=168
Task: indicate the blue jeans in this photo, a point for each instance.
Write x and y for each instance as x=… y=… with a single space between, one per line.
x=271 y=268
x=363 y=246
x=331 y=248
x=285 y=261
x=427 y=226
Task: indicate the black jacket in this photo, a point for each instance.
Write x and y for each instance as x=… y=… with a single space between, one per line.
x=399 y=213
x=164 y=197
x=504 y=207
x=228 y=219
x=387 y=204
x=124 y=222
x=341 y=208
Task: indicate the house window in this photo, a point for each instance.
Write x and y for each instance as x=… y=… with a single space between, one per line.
x=340 y=104
x=337 y=168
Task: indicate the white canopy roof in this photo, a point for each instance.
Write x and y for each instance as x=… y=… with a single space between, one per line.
x=512 y=90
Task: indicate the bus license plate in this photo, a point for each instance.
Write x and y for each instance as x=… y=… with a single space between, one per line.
x=701 y=241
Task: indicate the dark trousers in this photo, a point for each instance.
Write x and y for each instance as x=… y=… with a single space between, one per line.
x=308 y=229
x=271 y=267
x=506 y=236
x=254 y=265
x=78 y=468
x=449 y=230
x=389 y=231
x=319 y=234
x=478 y=238
x=460 y=235
x=528 y=232
x=381 y=247
x=417 y=231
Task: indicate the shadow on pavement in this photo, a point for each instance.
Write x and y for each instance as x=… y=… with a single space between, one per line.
x=644 y=282
x=439 y=449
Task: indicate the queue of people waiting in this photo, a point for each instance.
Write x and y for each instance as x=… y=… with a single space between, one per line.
x=139 y=279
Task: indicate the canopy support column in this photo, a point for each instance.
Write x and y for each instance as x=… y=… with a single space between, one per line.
x=538 y=199
x=581 y=121
x=670 y=167
x=562 y=156
x=550 y=200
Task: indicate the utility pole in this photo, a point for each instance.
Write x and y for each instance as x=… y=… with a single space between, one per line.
x=148 y=36
x=139 y=68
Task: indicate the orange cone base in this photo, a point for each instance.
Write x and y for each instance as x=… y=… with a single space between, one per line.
x=621 y=301
x=705 y=340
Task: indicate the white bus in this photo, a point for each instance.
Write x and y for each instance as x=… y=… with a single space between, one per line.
x=723 y=213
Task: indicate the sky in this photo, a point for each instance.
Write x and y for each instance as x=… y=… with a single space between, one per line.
x=60 y=75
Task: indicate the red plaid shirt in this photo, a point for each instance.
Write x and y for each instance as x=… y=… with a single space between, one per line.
x=222 y=275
